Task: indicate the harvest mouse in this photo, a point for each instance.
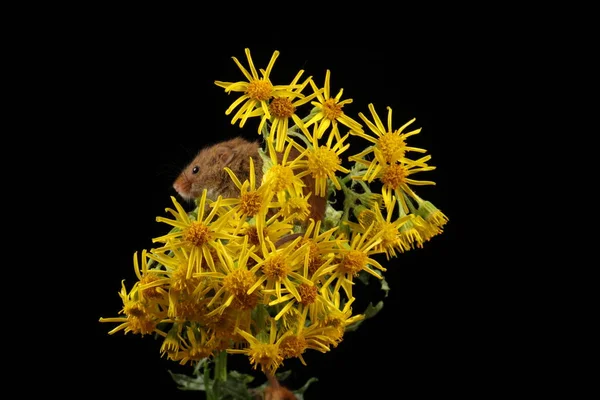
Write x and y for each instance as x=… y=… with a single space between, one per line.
x=207 y=171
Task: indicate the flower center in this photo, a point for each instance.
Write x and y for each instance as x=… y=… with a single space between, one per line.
x=353 y=262
x=135 y=309
x=259 y=90
x=331 y=109
x=282 y=107
x=250 y=203
x=197 y=234
x=393 y=176
x=292 y=346
x=267 y=355
x=190 y=310
x=308 y=293
x=282 y=177
x=237 y=283
x=275 y=268
x=390 y=233
x=392 y=147
x=323 y=161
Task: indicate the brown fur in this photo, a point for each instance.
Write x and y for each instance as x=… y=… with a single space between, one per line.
x=233 y=153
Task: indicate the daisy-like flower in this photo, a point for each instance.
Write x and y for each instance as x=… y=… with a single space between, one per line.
x=280 y=176
x=306 y=336
x=322 y=162
x=295 y=209
x=354 y=259
x=175 y=263
x=274 y=229
x=182 y=298
x=283 y=109
x=234 y=281
x=330 y=110
x=319 y=255
x=279 y=268
x=252 y=202
x=257 y=90
x=196 y=237
x=141 y=317
x=322 y=249
x=195 y=346
x=172 y=342
x=391 y=144
x=429 y=220
x=391 y=237
x=336 y=318
x=431 y=214
x=151 y=284
x=395 y=178
x=267 y=355
x=223 y=327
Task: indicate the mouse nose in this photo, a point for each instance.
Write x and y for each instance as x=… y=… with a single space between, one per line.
x=182 y=186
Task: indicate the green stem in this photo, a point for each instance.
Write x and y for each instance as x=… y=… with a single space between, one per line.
x=213 y=392
x=221 y=367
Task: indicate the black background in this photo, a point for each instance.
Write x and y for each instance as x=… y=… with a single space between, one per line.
x=151 y=104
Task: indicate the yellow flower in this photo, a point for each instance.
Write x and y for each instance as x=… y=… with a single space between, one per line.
x=234 y=281
x=306 y=336
x=295 y=209
x=182 y=290
x=322 y=162
x=330 y=110
x=252 y=202
x=152 y=286
x=195 y=346
x=391 y=144
x=198 y=237
x=280 y=176
x=288 y=187
x=279 y=268
x=431 y=214
x=353 y=260
x=257 y=91
x=141 y=317
x=321 y=252
x=282 y=109
x=391 y=236
x=274 y=229
x=336 y=318
x=267 y=355
x=171 y=343
x=395 y=178
x=222 y=327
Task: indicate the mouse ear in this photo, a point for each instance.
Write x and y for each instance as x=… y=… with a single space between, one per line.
x=225 y=154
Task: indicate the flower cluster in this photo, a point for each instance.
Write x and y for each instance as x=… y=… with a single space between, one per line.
x=255 y=274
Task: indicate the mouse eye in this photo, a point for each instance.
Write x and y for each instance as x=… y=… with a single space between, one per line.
x=195 y=170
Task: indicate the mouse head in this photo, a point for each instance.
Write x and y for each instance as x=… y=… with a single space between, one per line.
x=206 y=171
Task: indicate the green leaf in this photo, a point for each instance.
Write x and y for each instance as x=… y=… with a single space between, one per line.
x=385 y=287
x=185 y=382
x=282 y=376
x=370 y=312
x=233 y=389
x=300 y=392
x=237 y=376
